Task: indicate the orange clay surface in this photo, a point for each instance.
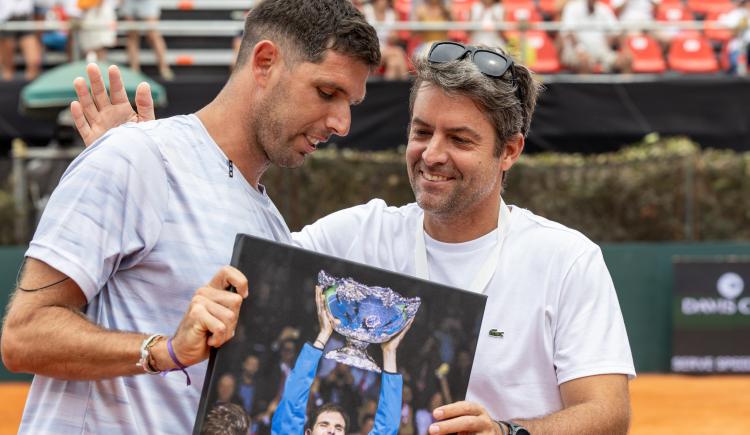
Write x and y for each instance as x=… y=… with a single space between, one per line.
x=662 y=405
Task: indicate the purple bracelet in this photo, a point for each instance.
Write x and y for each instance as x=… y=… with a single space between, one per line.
x=180 y=366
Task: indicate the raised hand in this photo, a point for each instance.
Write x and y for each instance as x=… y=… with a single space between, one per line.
x=211 y=318
x=325 y=320
x=96 y=112
x=390 y=347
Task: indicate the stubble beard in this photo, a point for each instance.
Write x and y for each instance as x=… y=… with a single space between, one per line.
x=268 y=129
x=460 y=200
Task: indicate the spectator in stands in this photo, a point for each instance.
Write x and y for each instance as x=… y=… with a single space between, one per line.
x=19 y=11
x=634 y=12
x=380 y=14
x=98 y=33
x=585 y=50
x=737 y=19
x=148 y=11
x=431 y=12
x=487 y=13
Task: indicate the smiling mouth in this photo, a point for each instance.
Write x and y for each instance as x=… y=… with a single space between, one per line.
x=434 y=177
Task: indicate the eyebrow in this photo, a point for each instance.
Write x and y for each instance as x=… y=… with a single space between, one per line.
x=337 y=88
x=455 y=130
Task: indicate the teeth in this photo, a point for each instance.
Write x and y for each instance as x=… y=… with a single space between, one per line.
x=312 y=140
x=431 y=177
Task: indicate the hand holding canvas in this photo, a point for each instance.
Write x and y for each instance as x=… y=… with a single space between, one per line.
x=211 y=318
x=463 y=418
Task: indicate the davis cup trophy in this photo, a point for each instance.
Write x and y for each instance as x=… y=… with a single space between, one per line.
x=366 y=315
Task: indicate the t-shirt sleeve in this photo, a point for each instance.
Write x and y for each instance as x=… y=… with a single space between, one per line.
x=338 y=232
x=589 y=334
x=107 y=211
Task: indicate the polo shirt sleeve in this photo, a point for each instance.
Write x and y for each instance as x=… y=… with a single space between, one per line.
x=107 y=212
x=589 y=331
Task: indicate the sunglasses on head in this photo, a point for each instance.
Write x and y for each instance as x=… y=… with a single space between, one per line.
x=490 y=63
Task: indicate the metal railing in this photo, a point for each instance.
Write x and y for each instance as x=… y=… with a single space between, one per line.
x=224 y=28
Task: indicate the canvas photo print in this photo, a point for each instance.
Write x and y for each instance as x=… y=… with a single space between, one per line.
x=327 y=343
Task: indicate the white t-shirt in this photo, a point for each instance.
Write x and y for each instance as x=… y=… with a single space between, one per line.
x=15 y=8
x=385 y=27
x=551 y=295
x=140 y=220
x=487 y=17
x=575 y=15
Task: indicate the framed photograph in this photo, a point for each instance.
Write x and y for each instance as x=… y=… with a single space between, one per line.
x=321 y=340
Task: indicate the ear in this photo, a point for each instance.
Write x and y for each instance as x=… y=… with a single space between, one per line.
x=513 y=150
x=265 y=60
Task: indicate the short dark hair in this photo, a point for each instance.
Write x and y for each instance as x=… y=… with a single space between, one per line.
x=508 y=104
x=226 y=419
x=307 y=28
x=328 y=407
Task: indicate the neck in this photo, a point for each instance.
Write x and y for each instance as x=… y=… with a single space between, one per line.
x=228 y=125
x=457 y=228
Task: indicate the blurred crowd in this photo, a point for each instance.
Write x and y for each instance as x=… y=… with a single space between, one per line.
x=435 y=363
x=574 y=46
x=577 y=45
x=98 y=19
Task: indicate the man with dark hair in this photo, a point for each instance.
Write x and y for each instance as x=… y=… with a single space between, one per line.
x=149 y=213
x=328 y=419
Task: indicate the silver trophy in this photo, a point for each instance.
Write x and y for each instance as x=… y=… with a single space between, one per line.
x=366 y=315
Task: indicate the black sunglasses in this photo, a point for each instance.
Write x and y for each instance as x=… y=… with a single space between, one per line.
x=490 y=63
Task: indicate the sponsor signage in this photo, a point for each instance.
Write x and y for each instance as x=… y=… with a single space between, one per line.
x=711 y=315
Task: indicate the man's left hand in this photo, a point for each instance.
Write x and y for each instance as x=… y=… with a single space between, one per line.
x=463 y=418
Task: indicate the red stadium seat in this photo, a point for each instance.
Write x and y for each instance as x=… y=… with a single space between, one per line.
x=547 y=60
x=692 y=55
x=714 y=32
x=705 y=7
x=647 y=55
x=403 y=9
x=676 y=13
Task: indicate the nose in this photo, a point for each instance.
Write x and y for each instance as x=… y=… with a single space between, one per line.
x=434 y=152
x=339 y=119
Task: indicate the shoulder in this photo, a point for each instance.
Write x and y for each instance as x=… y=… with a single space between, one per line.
x=553 y=237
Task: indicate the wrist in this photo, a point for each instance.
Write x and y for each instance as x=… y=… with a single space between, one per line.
x=321 y=340
x=160 y=359
x=502 y=428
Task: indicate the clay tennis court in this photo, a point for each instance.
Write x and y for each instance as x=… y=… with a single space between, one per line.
x=662 y=404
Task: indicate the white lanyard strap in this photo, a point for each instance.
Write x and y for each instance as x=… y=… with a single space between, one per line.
x=486 y=272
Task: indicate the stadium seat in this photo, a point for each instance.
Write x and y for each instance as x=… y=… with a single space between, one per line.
x=706 y=7
x=676 y=13
x=647 y=55
x=714 y=32
x=692 y=55
x=546 y=59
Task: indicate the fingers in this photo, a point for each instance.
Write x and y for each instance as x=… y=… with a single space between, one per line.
x=144 y=102
x=457 y=409
x=79 y=119
x=116 y=88
x=98 y=90
x=220 y=317
x=227 y=276
x=463 y=424
x=84 y=97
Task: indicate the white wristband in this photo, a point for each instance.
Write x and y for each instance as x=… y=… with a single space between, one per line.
x=146 y=353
